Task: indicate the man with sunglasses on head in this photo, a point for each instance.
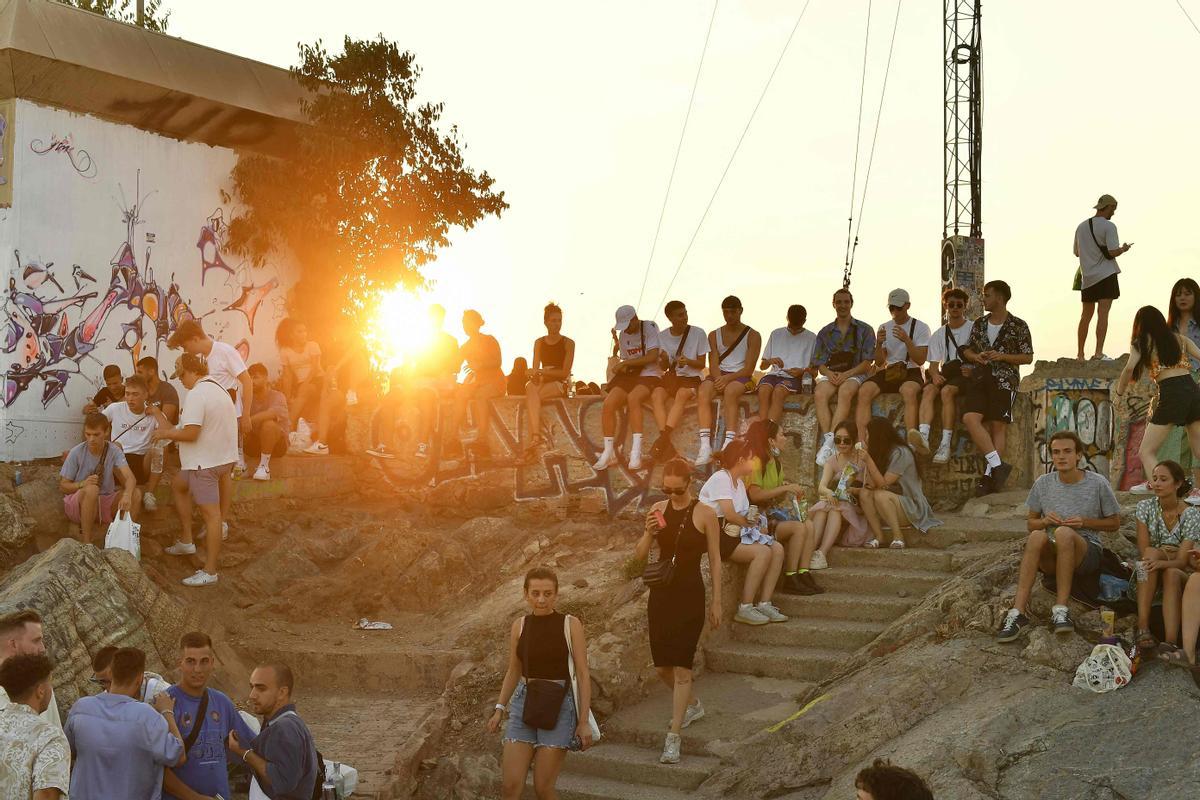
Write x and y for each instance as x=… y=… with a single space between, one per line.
x=845 y=348
x=947 y=372
x=901 y=346
x=733 y=352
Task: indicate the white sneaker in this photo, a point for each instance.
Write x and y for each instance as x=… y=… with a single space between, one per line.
x=704 y=457
x=317 y=449
x=768 y=610
x=180 y=549
x=670 y=753
x=422 y=450
x=1141 y=488
x=942 y=455
x=351 y=397
x=263 y=473
x=692 y=714
x=201 y=578
x=606 y=460
x=749 y=615
x=826 y=452
x=818 y=561
x=149 y=502
x=635 y=460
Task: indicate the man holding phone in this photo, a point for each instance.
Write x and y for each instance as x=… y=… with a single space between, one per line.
x=1097 y=247
x=901 y=346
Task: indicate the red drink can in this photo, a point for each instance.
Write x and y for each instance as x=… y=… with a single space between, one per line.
x=660 y=519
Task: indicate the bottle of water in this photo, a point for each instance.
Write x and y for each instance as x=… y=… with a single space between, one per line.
x=339 y=780
x=156 y=456
x=806 y=383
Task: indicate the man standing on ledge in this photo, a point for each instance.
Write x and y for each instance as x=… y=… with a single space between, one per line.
x=1097 y=246
x=1000 y=343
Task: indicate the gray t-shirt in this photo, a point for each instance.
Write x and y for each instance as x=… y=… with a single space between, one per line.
x=1090 y=498
x=81 y=463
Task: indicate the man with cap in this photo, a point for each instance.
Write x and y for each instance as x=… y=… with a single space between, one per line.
x=635 y=375
x=1097 y=247
x=901 y=345
x=733 y=352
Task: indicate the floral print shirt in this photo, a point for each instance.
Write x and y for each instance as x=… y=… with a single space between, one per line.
x=1013 y=338
x=33 y=754
x=1149 y=513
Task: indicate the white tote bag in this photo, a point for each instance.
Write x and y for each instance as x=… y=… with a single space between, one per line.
x=575 y=683
x=124 y=534
x=1106 y=669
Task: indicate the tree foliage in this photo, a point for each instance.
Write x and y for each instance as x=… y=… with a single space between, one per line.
x=373 y=188
x=155 y=18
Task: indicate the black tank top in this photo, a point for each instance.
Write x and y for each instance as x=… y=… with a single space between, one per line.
x=681 y=539
x=546 y=657
x=554 y=355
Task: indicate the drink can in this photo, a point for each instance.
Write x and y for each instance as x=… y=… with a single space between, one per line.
x=660 y=519
x=1108 y=620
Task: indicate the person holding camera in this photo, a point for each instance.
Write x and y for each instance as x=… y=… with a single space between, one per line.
x=634 y=375
x=947 y=372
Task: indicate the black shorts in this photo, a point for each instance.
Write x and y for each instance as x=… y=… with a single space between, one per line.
x=139 y=465
x=1107 y=289
x=673 y=383
x=728 y=543
x=985 y=397
x=627 y=382
x=1178 y=402
x=885 y=387
x=253 y=449
x=1085 y=580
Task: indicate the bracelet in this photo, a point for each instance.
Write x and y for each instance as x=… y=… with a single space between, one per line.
x=246 y=755
x=169 y=711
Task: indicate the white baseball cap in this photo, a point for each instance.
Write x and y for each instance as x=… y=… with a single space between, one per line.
x=625 y=315
x=898 y=297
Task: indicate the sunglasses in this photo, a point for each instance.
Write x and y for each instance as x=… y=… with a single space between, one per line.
x=669 y=490
x=895 y=308
x=841 y=440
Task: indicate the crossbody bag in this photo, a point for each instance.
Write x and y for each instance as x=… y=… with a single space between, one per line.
x=614 y=361
x=194 y=733
x=543 y=698
x=660 y=572
x=953 y=368
x=673 y=366
x=1077 y=285
x=843 y=359
x=896 y=373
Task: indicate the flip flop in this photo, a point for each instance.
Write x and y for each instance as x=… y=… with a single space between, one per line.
x=1146 y=641
x=897 y=544
x=1177 y=658
x=873 y=544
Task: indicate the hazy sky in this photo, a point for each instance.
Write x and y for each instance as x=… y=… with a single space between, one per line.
x=576 y=110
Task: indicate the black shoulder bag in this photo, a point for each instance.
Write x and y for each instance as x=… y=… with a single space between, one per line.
x=660 y=573
x=194 y=733
x=543 y=698
x=954 y=369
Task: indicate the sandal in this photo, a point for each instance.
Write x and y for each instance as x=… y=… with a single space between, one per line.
x=1146 y=640
x=873 y=544
x=897 y=544
x=1177 y=658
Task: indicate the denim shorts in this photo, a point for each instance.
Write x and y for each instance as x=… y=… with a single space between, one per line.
x=563 y=735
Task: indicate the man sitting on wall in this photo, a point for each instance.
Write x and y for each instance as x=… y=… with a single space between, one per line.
x=901 y=345
x=268 y=423
x=88 y=479
x=843 y=356
x=788 y=357
x=1067 y=509
x=949 y=373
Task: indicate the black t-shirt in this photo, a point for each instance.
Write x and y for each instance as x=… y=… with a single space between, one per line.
x=103 y=397
x=165 y=394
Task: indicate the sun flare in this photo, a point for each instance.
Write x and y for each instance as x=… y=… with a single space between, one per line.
x=397 y=331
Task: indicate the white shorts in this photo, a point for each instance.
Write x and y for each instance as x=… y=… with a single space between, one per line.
x=859 y=379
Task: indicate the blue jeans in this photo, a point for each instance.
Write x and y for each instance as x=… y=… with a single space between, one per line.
x=563 y=734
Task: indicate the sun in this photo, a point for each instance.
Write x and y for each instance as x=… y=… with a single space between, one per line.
x=397 y=331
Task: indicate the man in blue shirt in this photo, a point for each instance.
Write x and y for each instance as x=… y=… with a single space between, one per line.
x=205 y=774
x=843 y=355
x=121 y=745
x=283 y=757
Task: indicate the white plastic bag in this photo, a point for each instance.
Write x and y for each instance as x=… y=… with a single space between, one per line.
x=1107 y=668
x=124 y=534
x=300 y=438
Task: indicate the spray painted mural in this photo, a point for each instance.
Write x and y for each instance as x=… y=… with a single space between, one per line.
x=1081 y=405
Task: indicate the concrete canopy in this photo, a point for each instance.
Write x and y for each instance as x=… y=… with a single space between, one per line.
x=62 y=56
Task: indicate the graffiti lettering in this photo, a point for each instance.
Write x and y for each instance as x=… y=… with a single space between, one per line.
x=1078 y=384
x=81 y=160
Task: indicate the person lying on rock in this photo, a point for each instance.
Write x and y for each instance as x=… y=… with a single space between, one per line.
x=1067 y=510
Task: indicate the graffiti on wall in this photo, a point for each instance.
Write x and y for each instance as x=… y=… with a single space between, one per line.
x=80 y=160
x=1081 y=405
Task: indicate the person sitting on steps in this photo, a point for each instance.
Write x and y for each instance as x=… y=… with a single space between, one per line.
x=302 y=381
x=636 y=374
x=733 y=352
x=1067 y=510
x=899 y=498
x=682 y=359
x=788 y=356
x=842 y=480
x=675 y=609
x=948 y=374
x=845 y=349
x=901 y=345
x=1000 y=343
x=1167 y=530
x=553 y=359
x=725 y=493
x=483 y=381
x=787 y=520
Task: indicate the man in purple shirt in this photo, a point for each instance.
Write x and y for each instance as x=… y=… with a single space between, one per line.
x=121 y=745
x=269 y=423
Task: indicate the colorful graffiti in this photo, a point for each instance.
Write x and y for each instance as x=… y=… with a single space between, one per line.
x=1081 y=405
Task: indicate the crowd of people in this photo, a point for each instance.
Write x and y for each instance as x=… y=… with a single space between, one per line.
x=140 y=736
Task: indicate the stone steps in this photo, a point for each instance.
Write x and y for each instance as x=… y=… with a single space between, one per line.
x=625 y=762
x=928 y=559
x=887 y=581
x=764 y=660
x=848 y=606
x=829 y=634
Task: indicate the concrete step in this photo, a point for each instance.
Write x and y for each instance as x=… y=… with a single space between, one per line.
x=640 y=765
x=968 y=530
x=927 y=559
x=835 y=605
x=797 y=663
x=586 y=787
x=830 y=634
x=880 y=580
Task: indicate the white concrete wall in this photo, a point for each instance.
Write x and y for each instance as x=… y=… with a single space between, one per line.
x=125 y=221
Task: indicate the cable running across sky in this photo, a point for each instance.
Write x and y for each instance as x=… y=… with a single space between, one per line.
x=862 y=95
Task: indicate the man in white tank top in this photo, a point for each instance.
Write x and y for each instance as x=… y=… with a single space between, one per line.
x=733 y=352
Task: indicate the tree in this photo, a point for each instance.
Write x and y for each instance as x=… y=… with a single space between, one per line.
x=372 y=189
x=126 y=11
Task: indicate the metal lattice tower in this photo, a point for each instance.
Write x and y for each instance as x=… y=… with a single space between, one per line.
x=963 y=119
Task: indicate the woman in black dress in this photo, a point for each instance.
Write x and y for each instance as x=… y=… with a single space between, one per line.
x=676 y=609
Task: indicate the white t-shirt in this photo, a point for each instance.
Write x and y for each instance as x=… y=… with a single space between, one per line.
x=735 y=361
x=631 y=347
x=208 y=405
x=695 y=346
x=1095 y=264
x=896 y=349
x=993 y=332
x=303 y=363
x=958 y=337
x=131 y=431
x=720 y=486
x=225 y=364
x=795 y=349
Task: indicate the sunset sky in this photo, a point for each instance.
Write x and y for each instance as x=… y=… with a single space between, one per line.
x=576 y=110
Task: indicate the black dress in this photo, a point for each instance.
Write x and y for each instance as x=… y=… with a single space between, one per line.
x=676 y=610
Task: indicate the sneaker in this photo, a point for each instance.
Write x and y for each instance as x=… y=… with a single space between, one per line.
x=826 y=452
x=180 y=549
x=818 y=561
x=749 y=615
x=263 y=473
x=693 y=713
x=1000 y=476
x=873 y=544
x=942 y=456
x=1015 y=623
x=919 y=442
x=663 y=450
x=422 y=450
x=149 y=502
x=769 y=611
x=351 y=398
x=201 y=578
x=670 y=753
x=606 y=460
x=1141 y=488
x=317 y=449
x=635 y=460
x=1060 y=620
x=1193 y=497
x=897 y=544
x=983 y=486
x=382 y=451
x=704 y=457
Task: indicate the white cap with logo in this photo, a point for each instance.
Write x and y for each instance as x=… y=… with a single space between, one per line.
x=625 y=315
x=898 y=297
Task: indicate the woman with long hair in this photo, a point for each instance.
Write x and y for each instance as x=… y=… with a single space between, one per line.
x=676 y=608
x=538 y=652
x=1182 y=314
x=841 y=477
x=1166 y=531
x=898 y=497
x=553 y=357
x=1165 y=355
x=742 y=540
x=780 y=502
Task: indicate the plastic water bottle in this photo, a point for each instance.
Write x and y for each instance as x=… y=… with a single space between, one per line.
x=339 y=780
x=806 y=383
x=156 y=456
